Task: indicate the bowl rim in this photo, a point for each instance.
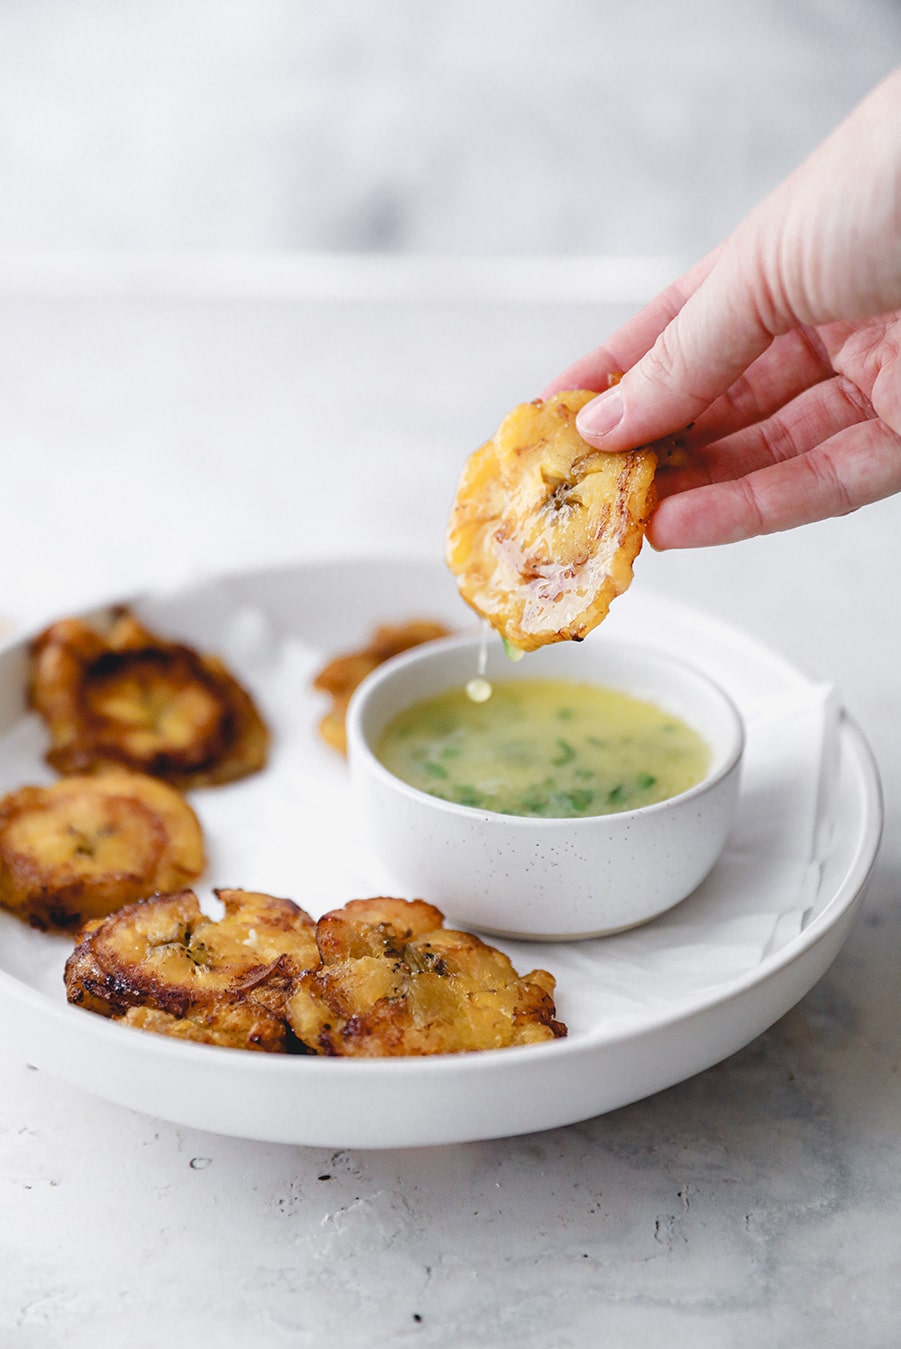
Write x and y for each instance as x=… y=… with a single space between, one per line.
x=362 y=753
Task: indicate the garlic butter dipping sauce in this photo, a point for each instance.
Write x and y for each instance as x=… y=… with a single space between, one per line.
x=549 y=748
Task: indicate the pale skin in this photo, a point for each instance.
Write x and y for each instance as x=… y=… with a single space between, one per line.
x=776 y=361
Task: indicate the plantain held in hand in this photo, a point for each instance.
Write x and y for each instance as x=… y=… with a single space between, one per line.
x=544 y=529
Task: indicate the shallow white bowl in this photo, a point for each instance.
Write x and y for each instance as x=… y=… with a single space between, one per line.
x=545 y=879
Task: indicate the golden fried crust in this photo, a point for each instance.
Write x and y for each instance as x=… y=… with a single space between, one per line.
x=126 y=696
x=165 y=954
x=85 y=846
x=341 y=675
x=394 y=982
x=544 y=530
x=242 y=1026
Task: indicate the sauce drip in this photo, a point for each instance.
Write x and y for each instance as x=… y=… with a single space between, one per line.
x=478 y=690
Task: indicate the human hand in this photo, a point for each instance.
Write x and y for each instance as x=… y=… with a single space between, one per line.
x=775 y=364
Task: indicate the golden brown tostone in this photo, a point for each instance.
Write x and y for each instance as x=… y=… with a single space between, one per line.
x=121 y=695
x=86 y=845
x=343 y=673
x=163 y=965
x=544 y=529
x=394 y=981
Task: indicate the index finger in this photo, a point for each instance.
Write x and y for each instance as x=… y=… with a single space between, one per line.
x=635 y=338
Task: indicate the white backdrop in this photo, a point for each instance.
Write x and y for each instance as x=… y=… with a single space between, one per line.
x=452 y=126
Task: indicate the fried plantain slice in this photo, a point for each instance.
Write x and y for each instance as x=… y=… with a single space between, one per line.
x=544 y=529
x=393 y=981
x=86 y=845
x=125 y=696
x=341 y=675
x=228 y=978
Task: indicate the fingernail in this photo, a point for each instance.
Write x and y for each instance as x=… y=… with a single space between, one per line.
x=601 y=415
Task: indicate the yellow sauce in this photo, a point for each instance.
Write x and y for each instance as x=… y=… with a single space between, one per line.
x=544 y=747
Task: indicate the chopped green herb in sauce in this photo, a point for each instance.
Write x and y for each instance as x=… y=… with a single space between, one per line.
x=508 y=756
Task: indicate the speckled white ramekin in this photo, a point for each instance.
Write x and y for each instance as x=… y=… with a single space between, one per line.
x=543 y=878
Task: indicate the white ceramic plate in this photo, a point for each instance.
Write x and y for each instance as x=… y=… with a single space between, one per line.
x=633 y=1030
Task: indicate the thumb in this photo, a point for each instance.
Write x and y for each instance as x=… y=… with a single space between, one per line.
x=713 y=339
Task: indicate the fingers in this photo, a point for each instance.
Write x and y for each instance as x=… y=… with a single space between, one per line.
x=791 y=364
x=812 y=418
x=711 y=341
x=822 y=247
x=635 y=337
x=856 y=466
